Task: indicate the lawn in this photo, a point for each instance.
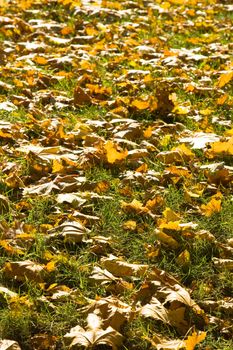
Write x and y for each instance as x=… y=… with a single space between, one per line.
x=116 y=175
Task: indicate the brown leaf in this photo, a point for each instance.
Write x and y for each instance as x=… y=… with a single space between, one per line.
x=24 y=270
x=121 y=268
x=94 y=335
x=6 y=344
x=155 y=310
x=112 y=311
x=70 y=231
x=81 y=97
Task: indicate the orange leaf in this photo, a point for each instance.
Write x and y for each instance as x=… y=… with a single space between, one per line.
x=40 y=60
x=213 y=206
x=148 y=132
x=66 y=30
x=224 y=79
x=220 y=148
x=50 y=266
x=222 y=99
x=113 y=154
x=194 y=339
x=139 y=104
x=142 y=168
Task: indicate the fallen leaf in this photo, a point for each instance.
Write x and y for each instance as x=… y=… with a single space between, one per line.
x=121 y=268
x=24 y=270
x=94 y=335
x=224 y=79
x=213 y=206
x=155 y=310
x=113 y=154
x=194 y=339
x=6 y=344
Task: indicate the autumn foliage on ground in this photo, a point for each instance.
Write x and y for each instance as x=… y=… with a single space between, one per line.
x=116 y=203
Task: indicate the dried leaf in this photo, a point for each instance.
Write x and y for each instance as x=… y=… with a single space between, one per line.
x=24 y=270
x=194 y=339
x=113 y=154
x=121 y=268
x=6 y=344
x=224 y=79
x=155 y=310
x=213 y=206
x=81 y=97
x=94 y=335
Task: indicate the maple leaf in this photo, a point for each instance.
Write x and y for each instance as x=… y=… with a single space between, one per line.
x=114 y=103
x=121 y=268
x=220 y=148
x=81 y=97
x=155 y=310
x=23 y=270
x=94 y=335
x=112 y=153
x=140 y=104
x=112 y=311
x=194 y=339
x=213 y=206
x=7 y=344
x=224 y=79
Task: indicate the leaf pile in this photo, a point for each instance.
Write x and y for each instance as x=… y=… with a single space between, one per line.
x=116 y=144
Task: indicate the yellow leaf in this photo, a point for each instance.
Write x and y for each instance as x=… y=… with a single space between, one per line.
x=169 y=157
x=91 y=30
x=170 y=215
x=165 y=140
x=183 y=258
x=121 y=268
x=166 y=239
x=222 y=99
x=229 y=132
x=134 y=206
x=25 y=4
x=186 y=153
x=113 y=154
x=50 y=266
x=102 y=186
x=40 y=60
x=48 y=255
x=190 y=88
x=182 y=110
x=224 y=79
x=194 y=339
x=170 y=226
x=142 y=168
x=139 y=104
x=206 y=111
x=18 y=82
x=213 y=206
x=130 y=225
x=155 y=203
x=9 y=249
x=220 y=148
x=148 y=132
x=57 y=166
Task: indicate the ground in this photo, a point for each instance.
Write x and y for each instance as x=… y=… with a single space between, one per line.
x=116 y=145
